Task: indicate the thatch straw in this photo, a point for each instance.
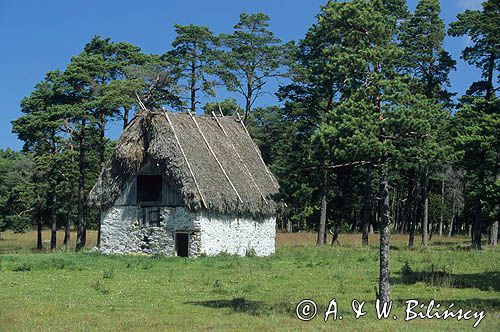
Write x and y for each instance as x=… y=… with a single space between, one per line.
x=150 y=137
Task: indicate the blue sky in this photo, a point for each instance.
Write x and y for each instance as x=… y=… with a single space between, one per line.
x=39 y=36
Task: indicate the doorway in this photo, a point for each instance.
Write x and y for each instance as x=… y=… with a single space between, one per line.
x=182 y=244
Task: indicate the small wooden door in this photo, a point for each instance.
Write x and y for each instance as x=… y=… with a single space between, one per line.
x=182 y=244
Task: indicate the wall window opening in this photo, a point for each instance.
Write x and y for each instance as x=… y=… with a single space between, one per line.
x=149 y=189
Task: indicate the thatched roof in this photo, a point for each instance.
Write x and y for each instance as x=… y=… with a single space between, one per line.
x=209 y=176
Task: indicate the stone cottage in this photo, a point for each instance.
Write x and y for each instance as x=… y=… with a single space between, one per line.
x=185 y=185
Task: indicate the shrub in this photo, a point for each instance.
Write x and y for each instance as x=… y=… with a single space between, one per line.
x=22 y=267
x=108 y=273
x=98 y=286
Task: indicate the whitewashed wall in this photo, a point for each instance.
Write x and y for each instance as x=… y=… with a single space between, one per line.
x=210 y=233
x=237 y=235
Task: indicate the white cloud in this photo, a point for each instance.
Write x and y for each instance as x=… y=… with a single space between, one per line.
x=470 y=4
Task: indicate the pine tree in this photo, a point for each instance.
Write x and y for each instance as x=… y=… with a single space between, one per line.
x=428 y=64
x=252 y=55
x=195 y=53
x=40 y=129
x=478 y=114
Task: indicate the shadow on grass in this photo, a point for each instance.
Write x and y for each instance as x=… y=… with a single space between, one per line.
x=241 y=305
x=449 y=243
x=485 y=281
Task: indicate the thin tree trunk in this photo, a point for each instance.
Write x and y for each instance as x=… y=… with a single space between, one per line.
x=80 y=237
x=248 y=98
x=425 y=219
x=53 y=200
x=192 y=86
x=67 y=230
x=494 y=233
x=493 y=238
x=491 y=68
x=67 y=226
x=322 y=218
x=407 y=216
x=441 y=218
x=125 y=117
x=393 y=210
x=478 y=217
x=335 y=234
x=411 y=237
x=39 y=240
x=365 y=214
x=478 y=225
x=247 y=110
x=450 y=231
x=102 y=151
x=84 y=234
x=53 y=215
x=384 y=284
x=416 y=215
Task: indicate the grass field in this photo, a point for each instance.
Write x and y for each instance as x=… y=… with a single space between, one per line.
x=67 y=291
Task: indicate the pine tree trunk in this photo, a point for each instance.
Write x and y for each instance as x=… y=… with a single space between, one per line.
x=394 y=212
x=478 y=225
x=494 y=233
x=384 y=285
x=84 y=234
x=247 y=110
x=53 y=215
x=335 y=235
x=493 y=238
x=365 y=214
x=248 y=98
x=416 y=215
x=192 y=86
x=425 y=219
x=322 y=218
x=441 y=217
x=478 y=217
x=450 y=231
x=102 y=151
x=491 y=68
x=53 y=201
x=67 y=226
x=67 y=233
x=39 y=240
x=411 y=232
x=125 y=117
x=80 y=237
x=407 y=217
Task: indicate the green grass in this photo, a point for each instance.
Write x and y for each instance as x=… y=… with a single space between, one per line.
x=87 y=291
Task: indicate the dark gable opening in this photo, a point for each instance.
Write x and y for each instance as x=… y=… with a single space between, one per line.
x=149 y=188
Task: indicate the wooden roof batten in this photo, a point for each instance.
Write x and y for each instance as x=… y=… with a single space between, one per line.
x=239 y=157
x=215 y=156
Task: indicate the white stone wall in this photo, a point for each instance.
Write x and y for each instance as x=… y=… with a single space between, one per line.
x=237 y=235
x=210 y=234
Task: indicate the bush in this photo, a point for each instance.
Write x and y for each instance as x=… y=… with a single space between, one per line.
x=98 y=286
x=22 y=267
x=108 y=274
